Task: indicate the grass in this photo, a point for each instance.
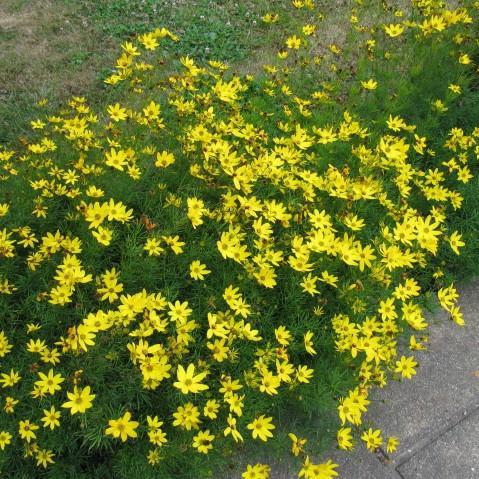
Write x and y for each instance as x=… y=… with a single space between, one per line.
x=58 y=48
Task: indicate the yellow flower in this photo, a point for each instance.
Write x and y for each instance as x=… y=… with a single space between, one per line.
x=309 y=284
x=26 y=430
x=116 y=112
x=269 y=383
x=231 y=429
x=4 y=208
x=49 y=383
x=369 y=84
x=164 y=159
x=44 y=457
x=211 y=409
x=304 y=374
x=285 y=370
x=157 y=437
x=188 y=382
x=203 y=441
x=228 y=91
x=153 y=247
x=387 y=309
x=439 y=106
x=465 y=59
x=297 y=444
x=258 y=471
x=103 y=235
x=85 y=337
x=116 y=159
x=293 y=42
x=283 y=336
x=9 y=380
x=455 y=242
x=10 y=404
x=309 y=29
x=344 y=438
x=372 y=439
x=270 y=17
x=454 y=88
x=154 y=456
x=325 y=470
x=122 y=427
x=414 y=345
x=179 y=311
x=394 y=29
x=5 y=439
x=79 y=400
x=198 y=271
x=149 y=41
x=405 y=366
x=219 y=349
x=187 y=416
x=392 y=444
x=5 y=346
x=261 y=427
x=51 y=418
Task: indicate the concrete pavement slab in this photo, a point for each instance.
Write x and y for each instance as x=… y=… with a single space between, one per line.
x=428 y=409
x=435 y=415
x=446 y=387
x=454 y=455
x=361 y=464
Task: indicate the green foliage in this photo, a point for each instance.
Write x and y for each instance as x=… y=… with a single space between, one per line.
x=281 y=185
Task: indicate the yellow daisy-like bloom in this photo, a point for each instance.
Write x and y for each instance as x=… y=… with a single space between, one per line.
x=49 y=383
x=369 y=84
x=293 y=42
x=325 y=470
x=405 y=366
x=79 y=400
x=372 y=439
x=45 y=457
x=198 y=271
x=103 y=235
x=5 y=439
x=392 y=444
x=257 y=471
x=51 y=418
x=27 y=430
x=344 y=438
x=188 y=381
x=187 y=417
x=122 y=427
x=297 y=444
x=261 y=427
x=308 y=343
x=455 y=241
x=116 y=112
x=394 y=29
x=203 y=441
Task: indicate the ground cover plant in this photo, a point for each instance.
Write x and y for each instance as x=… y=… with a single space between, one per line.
x=212 y=258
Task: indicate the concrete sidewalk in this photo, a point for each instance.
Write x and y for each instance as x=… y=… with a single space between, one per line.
x=436 y=414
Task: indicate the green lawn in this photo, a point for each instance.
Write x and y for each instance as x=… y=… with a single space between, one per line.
x=58 y=48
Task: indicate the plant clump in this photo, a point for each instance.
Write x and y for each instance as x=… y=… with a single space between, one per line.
x=212 y=249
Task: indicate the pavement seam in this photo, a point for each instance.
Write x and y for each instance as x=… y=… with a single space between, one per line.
x=431 y=438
